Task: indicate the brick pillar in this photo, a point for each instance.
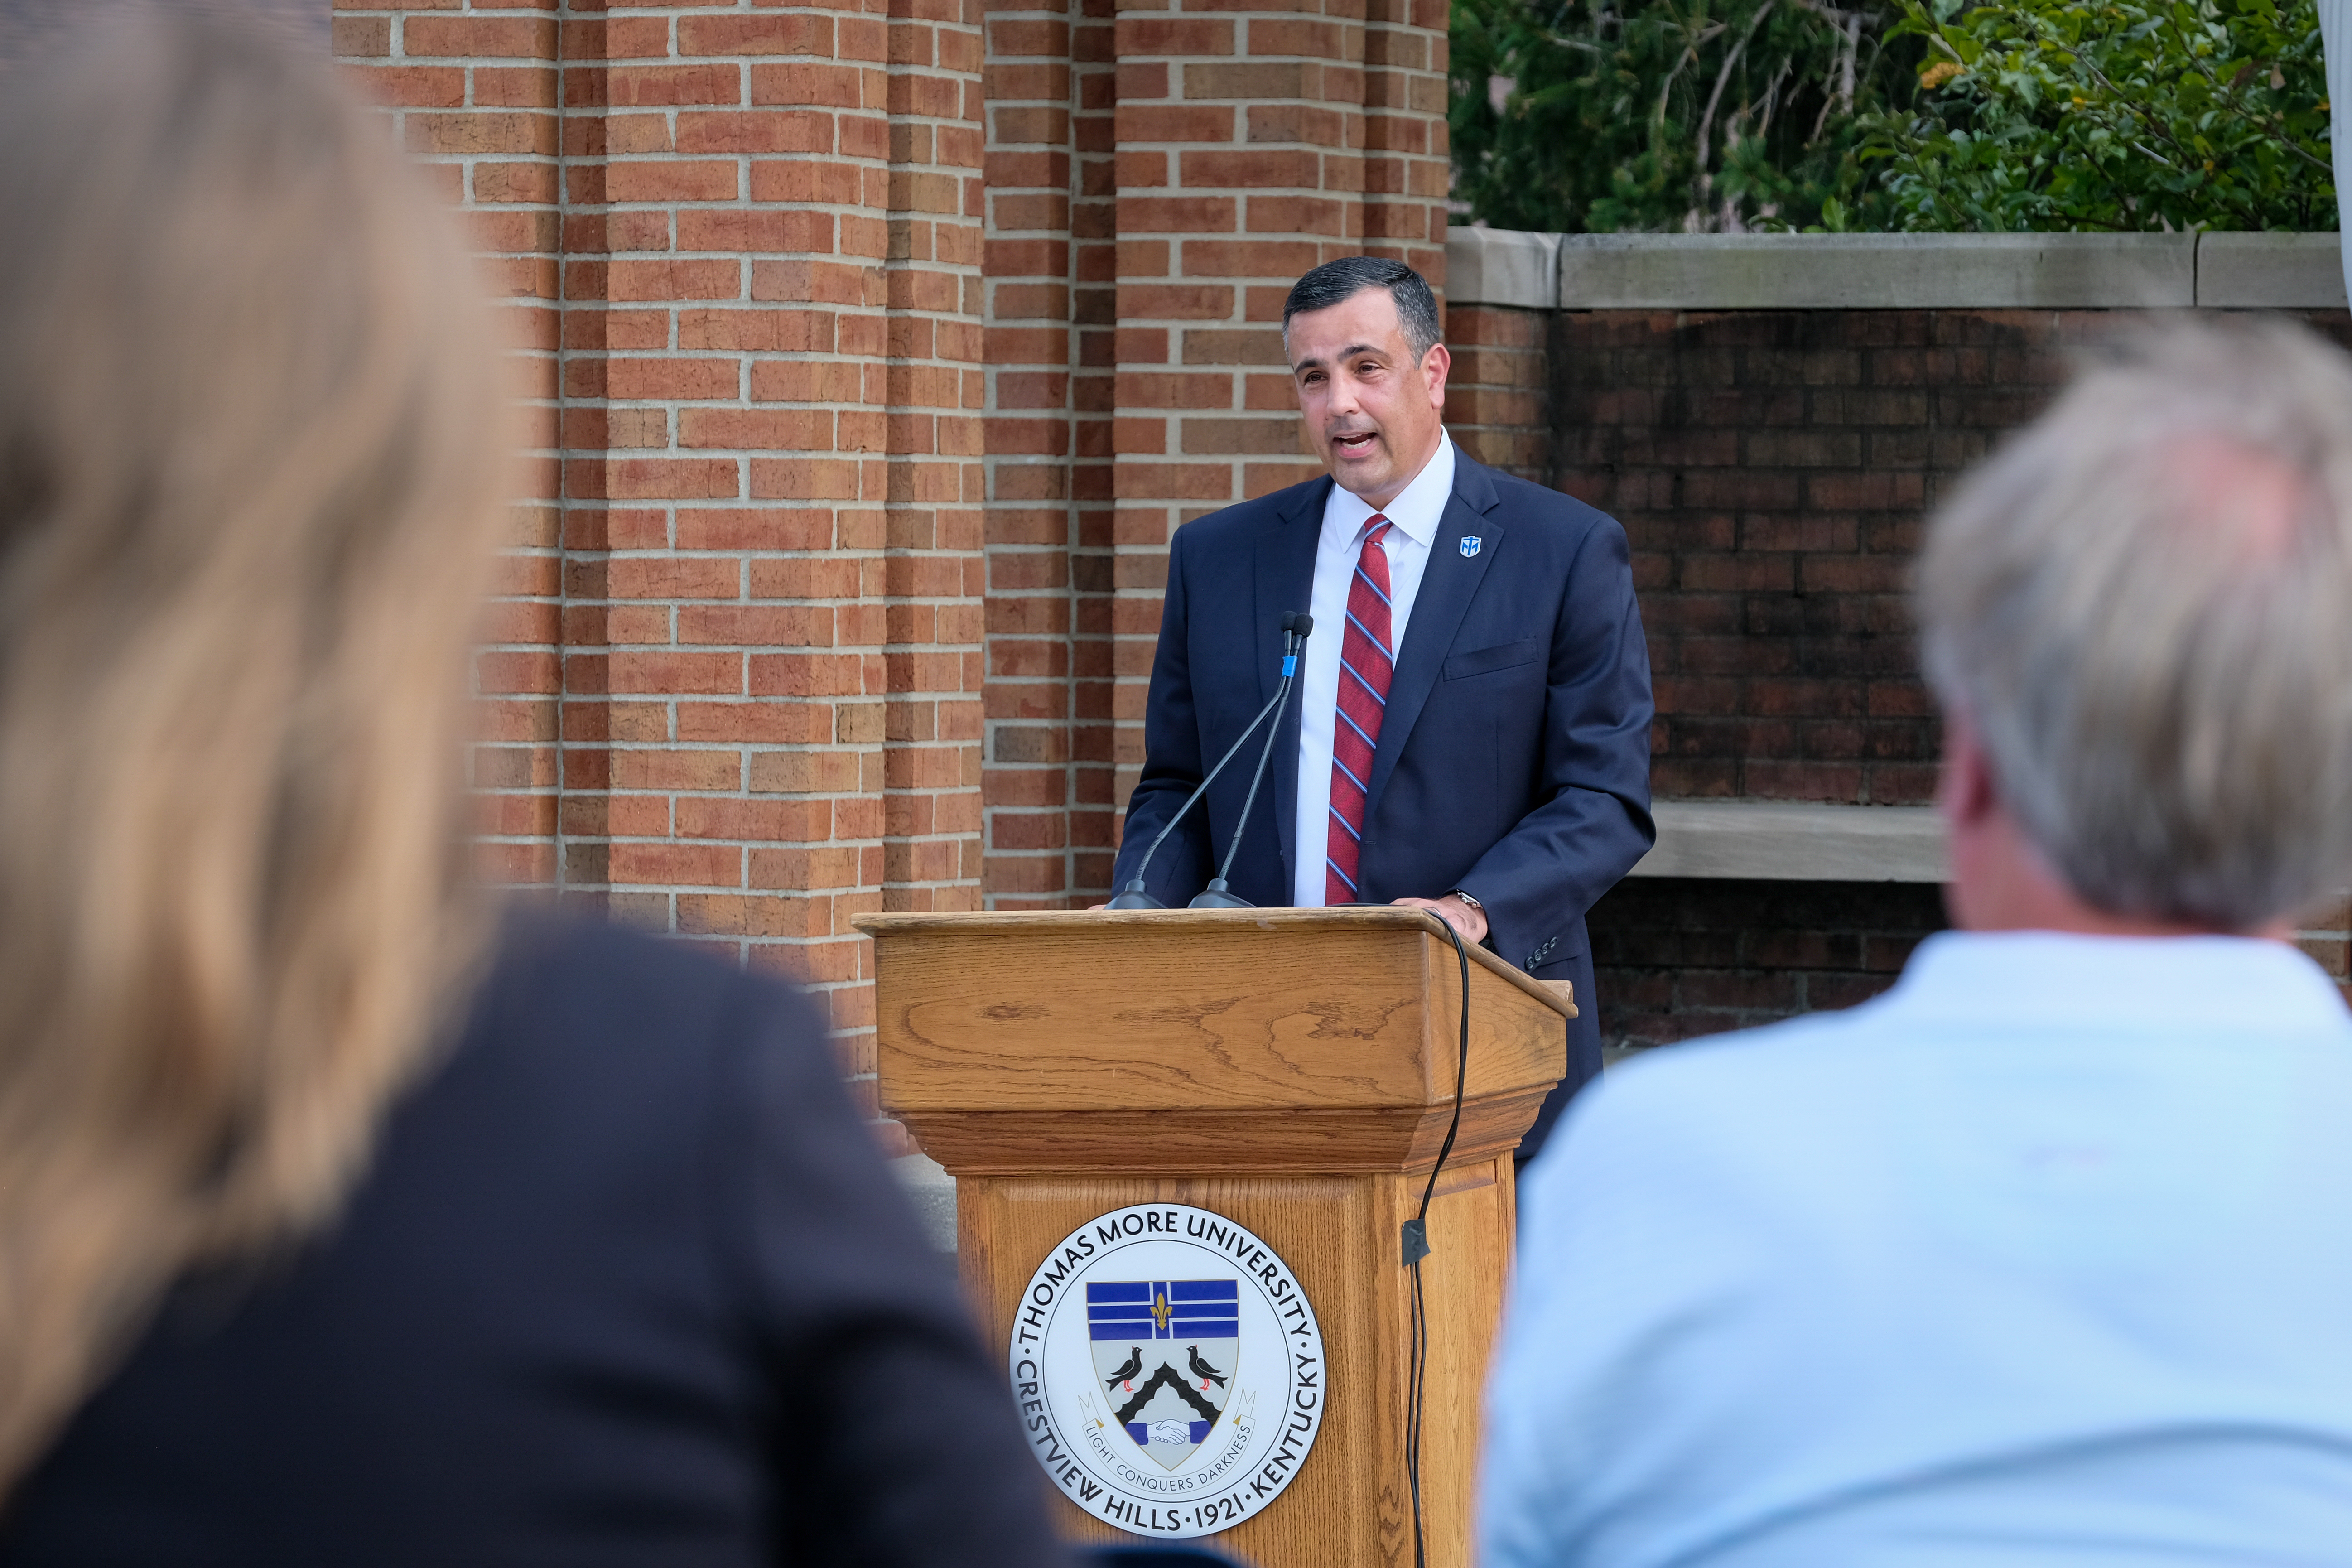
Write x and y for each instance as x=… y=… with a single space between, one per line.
x=473 y=95
x=934 y=571
x=760 y=608
x=1406 y=168
x=1030 y=432
x=1252 y=146
x=736 y=693
x=1096 y=800
x=1049 y=308
x=690 y=586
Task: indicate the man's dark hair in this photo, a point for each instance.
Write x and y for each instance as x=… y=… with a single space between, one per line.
x=1334 y=282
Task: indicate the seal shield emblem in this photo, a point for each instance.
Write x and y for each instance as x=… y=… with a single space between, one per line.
x=1165 y=1350
x=1470 y=542
x=1169 y=1370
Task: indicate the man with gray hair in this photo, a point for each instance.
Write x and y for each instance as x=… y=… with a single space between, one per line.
x=2047 y=1255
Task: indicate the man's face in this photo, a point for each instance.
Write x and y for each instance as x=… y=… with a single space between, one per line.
x=1372 y=411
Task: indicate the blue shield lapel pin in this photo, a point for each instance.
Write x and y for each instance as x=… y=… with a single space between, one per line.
x=1470 y=542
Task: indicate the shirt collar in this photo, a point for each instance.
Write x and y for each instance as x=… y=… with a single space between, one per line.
x=1417 y=508
x=2218 y=984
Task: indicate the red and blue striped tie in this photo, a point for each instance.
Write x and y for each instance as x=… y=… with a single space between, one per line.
x=1367 y=664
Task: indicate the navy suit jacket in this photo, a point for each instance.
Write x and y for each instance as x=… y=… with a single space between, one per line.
x=625 y=1286
x=1514 y=759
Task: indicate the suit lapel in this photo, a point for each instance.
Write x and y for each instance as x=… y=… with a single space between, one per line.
x=1447 y=585
x=1284 y=573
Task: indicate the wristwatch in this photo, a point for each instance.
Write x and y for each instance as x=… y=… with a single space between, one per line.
x=1458 y=893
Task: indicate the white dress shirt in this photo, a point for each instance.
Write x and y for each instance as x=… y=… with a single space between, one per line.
x=2044 y=1257
x=1415 y=511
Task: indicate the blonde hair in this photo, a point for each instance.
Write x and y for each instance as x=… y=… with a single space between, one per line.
x=248 y=469
x=2144 y=607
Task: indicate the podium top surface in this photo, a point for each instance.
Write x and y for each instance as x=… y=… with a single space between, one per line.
x=1357 y=917
x=1212 y=1039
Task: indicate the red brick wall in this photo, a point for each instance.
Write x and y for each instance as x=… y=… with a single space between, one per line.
x=1156 y=179
x=1049 y=276
x=1675 y=957
x=1251 y=145
x=475 y=95
x=874 y=349
x=1499 y=399
x=1772 y=468
x=736 y=679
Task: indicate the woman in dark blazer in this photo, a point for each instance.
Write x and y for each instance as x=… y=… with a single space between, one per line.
x=340 y=1221
x=625 y=1283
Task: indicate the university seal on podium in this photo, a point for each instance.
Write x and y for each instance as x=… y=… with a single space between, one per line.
x=1169 y=1369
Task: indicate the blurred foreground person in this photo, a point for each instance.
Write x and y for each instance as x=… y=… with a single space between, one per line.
x=2047 y=1255
x=338 y=1224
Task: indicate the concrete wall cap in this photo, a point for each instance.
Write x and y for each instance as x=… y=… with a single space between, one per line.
x=1795 y=841
x=2270 y=271
x=1892 y=271
x=1502 y=267
x=1876 y=271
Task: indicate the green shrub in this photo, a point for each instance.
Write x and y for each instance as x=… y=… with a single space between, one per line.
x=2128 y=114
x=1703 y=115
x=1710 y=115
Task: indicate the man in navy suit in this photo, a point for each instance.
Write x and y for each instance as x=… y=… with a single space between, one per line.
x=1471 y=731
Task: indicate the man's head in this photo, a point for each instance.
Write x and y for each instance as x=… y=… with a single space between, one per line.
x=1361 y=335
x=2139 y=619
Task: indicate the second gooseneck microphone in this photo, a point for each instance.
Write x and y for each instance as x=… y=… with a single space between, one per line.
x=1216 y=895
x=1296 y=626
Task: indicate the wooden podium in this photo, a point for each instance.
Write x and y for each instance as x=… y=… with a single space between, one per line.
x=1291 y=1069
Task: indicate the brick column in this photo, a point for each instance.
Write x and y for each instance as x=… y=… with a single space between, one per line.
x=736 y=690
x=1248 y=141
x=934 y=571
x=473 y=95
x=1049 y=310
x=720 y=763
x=799 y=676
x=763 y=225
x=1406 y=168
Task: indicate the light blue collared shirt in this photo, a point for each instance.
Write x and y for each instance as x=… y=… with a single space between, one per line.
x=2044 y=1257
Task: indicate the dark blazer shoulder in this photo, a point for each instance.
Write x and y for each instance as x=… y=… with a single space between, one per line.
x=601 y=962
x=615 y=1005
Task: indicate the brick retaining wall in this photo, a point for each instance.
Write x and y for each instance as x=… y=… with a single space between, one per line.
x=1772 y=467
x=1673 y=957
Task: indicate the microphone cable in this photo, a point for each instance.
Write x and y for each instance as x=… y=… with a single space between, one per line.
x=1414 y=1242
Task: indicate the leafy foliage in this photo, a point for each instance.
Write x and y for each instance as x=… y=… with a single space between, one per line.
x=1666 y=114
x=2125 y=114
x=1708 y=115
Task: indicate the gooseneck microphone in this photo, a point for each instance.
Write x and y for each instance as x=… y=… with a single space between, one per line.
x=1216 y=895
x=1295 y=625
